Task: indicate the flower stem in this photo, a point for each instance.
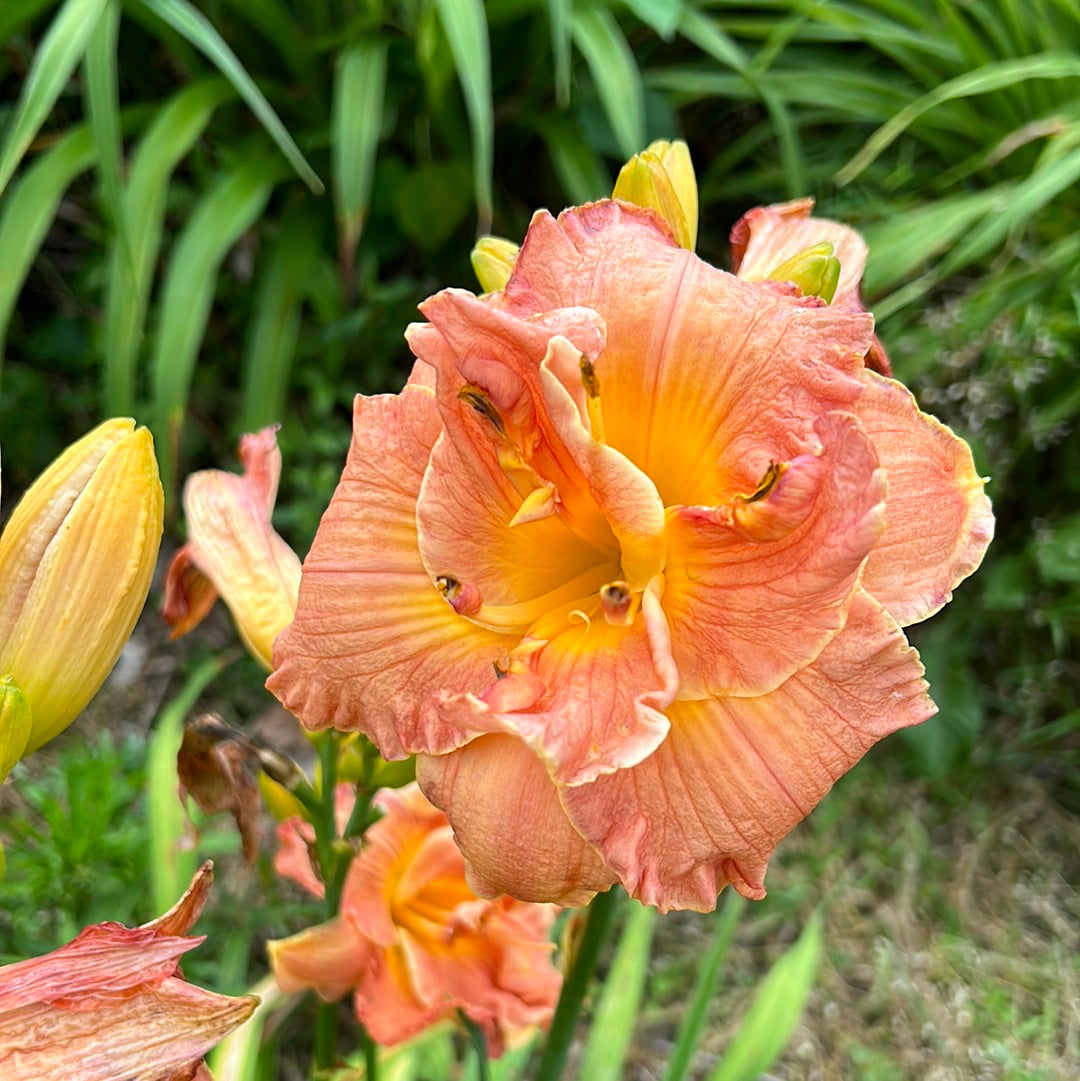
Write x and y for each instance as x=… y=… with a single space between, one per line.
x=479 y=1042
x=597 y=926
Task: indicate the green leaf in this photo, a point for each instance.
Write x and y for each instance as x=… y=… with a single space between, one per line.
x=465 y=26
x=662 y=15
x=60 y=50
x=775 y=1011
x=431 y=202
x=189 y=22
x=215 y=225
x=613 y=1023
x=15 y=13
x=987 y=78
x=559 y=13
x=359 y=82
x=29 y=209
x=579 y=168
x=615 y=75
x=697 y=1012
x=167 y=140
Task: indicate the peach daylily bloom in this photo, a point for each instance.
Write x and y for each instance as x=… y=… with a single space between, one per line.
x=626 y=565
x=111 y=1006
x=412 y=941
x=767 y=237
x=233 y=550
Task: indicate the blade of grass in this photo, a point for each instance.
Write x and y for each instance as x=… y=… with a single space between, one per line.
x=16 y=13
x=615 y=75
x=216 y=223
x=29 y=209
x=559 y=12
x=59 y=52
x=775 y=1011
x=697 y=1012
x=985 y=79
x=167 y=140
x=613 y=1022
x=103 y=110
x=189 y=22
x=275 y=326
x=661 y=15
x=577 y=165
x=465 y=26
x=356 y=120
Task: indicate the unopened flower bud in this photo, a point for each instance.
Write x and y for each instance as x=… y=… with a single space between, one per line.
x=815 y=271
x=493 y=260
x=15 y=722
x=661 y=178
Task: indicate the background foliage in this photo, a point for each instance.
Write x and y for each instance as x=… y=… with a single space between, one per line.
x=219 y=215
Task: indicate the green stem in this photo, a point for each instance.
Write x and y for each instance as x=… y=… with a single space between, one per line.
x=371 y=1062
x=325 y=824
x=597 y=926
x=479 y=1042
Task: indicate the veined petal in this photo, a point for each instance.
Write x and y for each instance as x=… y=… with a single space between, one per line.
x=385 y=1001
x=736 y=774
x=510 y=825
x=702 y=373
x=755 y=589
x=938 y=520
x=602 y=689
x=329 y=959
x=373 y=639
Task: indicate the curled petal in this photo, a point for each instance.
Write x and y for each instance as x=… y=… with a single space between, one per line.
x=510 y=824
x=329 y=959
x=754 y=591
x=938 y=521
x=736 y=774
x=373 y=638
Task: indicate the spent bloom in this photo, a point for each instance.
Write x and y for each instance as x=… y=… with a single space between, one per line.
x=112 y=1006
x=626 y=563
x=233 y=550
x=76 y=559
x=413 y=942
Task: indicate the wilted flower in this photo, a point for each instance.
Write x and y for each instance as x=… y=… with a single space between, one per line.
x=626 y=563
x=233 y=550
x=111 y=1004
x=413 y=942
x=76 y=559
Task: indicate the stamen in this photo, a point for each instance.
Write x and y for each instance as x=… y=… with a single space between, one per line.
x=538 y=504
x=618 y=603
x=766 y=484
x=463 y=597
x=591 y=382
x=481 y=403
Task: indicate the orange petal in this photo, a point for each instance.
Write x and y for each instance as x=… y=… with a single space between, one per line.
x=602 y=689
x=293 y=860
x=702 y=373
x=736 y=774
x=373 y=639
x=329 y=959
x=386 y=1005
x=189 y=594
x=510 y=825
x=755 y=590
x=938 y=520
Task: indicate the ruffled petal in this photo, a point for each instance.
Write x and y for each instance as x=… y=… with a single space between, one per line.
x=510 y=825
x=373 y=639
x=938 y=520
x=754 y=590
x=735 y=775
x=589 y=701
x=329 y=959
x=386 y=1004
x=702 y=373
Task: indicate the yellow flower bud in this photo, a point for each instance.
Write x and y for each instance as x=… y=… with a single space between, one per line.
x=493 y=261
x=661 y=178
x=15 y=723
x=815 y=271
x=76 y=561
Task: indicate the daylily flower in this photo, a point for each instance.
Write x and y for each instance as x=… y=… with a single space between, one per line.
x=233 y=550
x=626 y=565
x=76 y=559
x=111 y=1004
x=413 y=942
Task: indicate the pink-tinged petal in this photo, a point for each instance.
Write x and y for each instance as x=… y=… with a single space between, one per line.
x=329 y=959
x=153 y=1036
x=373 y=639
x=594 y=697
x=293 y=860
x=754 y=590
x=182 y=916
x=736 y=774
x=767 y=236
x=386 y=1005
x=938 y=520
x=189 y=594
x=702 y=373
x=510 y=824
x=232 y=542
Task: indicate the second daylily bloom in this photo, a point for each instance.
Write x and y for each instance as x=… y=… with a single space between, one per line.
x=233 y=550
x=413 y=942
x=626 y=565
x=76 y=559
x=112 y=1005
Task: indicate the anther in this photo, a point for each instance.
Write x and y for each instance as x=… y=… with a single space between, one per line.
x=463 y=597
x=618 y=603
x=481 y=404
